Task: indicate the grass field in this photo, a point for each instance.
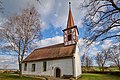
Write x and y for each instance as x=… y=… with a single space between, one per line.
x=89 y=76
x=16 y=77
x=86 y=76
x=96 y=68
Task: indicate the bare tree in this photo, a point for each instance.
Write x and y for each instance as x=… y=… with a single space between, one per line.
x=86 y=62
x=102 y=19
x=101 y=59
x=114 y=55
x=20 y=31
x=83 y=60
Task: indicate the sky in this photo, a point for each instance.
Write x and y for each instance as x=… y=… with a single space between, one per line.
x=53 y=15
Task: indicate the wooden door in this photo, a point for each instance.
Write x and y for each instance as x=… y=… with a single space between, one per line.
x=58 y=72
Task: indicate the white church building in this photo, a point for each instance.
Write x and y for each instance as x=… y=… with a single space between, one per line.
x=57 y=60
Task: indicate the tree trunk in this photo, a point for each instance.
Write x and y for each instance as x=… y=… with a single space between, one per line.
x=20 y=65
x=20 y=69
x=103 y=69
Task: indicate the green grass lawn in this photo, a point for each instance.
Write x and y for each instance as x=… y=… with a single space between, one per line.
x=16 y=77
x=85 y=76
x=90 y=76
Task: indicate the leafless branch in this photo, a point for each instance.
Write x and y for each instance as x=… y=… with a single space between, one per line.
x=20 y=31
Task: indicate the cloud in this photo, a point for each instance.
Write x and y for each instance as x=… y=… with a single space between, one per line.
x=85 y=49
x=93 y=51
x=49 y=41
x=9 y=61
x=106 y=44
x=55 y=12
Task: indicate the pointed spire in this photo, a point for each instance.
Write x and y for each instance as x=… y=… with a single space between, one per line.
x=70 y=22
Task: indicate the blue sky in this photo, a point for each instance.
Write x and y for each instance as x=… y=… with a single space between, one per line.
x=54 y=15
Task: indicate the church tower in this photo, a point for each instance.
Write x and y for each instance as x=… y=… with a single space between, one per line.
x=71 y=32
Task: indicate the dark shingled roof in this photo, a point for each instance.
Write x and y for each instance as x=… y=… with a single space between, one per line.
x=51 y=52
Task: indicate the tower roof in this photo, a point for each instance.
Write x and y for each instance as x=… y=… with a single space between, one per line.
x=70 y=22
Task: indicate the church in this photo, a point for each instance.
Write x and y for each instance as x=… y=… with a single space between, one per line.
x=57 y=60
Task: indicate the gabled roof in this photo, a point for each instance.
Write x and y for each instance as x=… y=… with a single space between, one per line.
x=51 y=52
x=70 y=22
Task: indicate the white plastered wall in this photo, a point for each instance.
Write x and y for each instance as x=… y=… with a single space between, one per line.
x=77 y=62
x=65 y=65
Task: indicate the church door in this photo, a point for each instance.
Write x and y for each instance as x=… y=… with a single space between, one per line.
x=58 y=72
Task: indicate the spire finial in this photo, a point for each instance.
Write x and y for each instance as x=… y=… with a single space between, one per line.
x=69 y=5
